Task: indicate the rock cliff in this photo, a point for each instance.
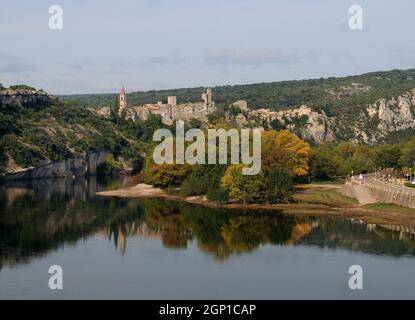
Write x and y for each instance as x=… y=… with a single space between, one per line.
x=368 y=125
x=73 y=167
x=22 y=98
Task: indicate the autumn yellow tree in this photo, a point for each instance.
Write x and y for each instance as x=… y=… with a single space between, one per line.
x=165 y=175
x=243 y=188
x=283 y=149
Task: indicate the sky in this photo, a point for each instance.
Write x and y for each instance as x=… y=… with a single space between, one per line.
x=165 y=44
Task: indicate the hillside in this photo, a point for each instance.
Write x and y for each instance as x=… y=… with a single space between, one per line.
x=333 y=95
x=35 y=126
x=367 y=109
x=371 y=108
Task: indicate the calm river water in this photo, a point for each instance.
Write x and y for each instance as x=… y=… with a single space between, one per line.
x=113 y=248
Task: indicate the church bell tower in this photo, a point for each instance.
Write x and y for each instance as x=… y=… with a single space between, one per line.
x=122 y=110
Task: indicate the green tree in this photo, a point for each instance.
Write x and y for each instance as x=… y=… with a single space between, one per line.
x=279 y=185
x=218 y=195
x=203 y=179
x=146 y=129
x=388 y=156
x=277 y=126
x=109 y=167
x=165 y=175
x=408 y=154
x=322 y=164
x=195 y=123
x=242 y=187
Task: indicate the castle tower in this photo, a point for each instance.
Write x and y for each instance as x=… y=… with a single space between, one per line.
x=207 y=99
x=122 y=110
x=209 y=96
x=204 y=97
x=172 y=100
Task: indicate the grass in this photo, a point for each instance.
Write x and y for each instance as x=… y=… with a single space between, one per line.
x=338 y=181
x=329 y=197
x=388 y=207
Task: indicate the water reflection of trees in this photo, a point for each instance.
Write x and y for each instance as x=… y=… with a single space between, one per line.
x=222 y=233
x=380 y=239
x=36 y=220
x=36 y=217
x=218 y=232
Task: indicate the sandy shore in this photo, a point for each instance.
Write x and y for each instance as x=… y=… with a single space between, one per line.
x=140 y=190
x=145 y=191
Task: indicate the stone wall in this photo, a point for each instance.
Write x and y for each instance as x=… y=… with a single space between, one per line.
x=378 y=191
x=387 y=193
x=347 y=190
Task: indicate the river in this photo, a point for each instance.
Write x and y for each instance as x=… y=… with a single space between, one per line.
x=112 y=248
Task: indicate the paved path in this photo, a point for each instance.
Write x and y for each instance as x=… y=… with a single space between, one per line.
x=370 y=190
x=363 y=194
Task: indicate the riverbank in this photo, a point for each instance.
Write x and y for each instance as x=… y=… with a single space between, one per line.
x=81 y=166
x=308 y=199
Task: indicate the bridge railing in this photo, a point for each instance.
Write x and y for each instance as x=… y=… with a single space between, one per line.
x=373 y=180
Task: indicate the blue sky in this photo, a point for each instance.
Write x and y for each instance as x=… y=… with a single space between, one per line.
x=160 y=44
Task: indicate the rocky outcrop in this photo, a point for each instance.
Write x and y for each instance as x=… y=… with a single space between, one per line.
x=318 y=127
x=22 y=98
x=94 y=160
x=394 y=114
x=309 y=124
x=103 y=112
x=73 y=167
x=381 y=118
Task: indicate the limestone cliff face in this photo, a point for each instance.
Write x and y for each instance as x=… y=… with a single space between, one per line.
x=368 y=126
x=394 y=114
x=24 y=98
x=73 y=167
x=308 y=124
x=318 y=127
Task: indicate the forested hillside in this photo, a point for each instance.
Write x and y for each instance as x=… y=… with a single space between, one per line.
x=335 y=96
x=372 y=108
x=35 y=126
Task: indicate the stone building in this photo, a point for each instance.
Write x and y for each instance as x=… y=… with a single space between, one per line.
x=122 y=110
x=172 y=100
x=242 y=105
x=170 y=111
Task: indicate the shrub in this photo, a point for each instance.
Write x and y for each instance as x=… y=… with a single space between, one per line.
x=203 y=179
x=279 y=185
x=21 y=86
x=23 y=155
x=193 y=186
x=109 y=167
x=243 y=188
x=218 y=195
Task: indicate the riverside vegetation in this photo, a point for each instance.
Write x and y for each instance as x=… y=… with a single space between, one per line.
x=60 y=128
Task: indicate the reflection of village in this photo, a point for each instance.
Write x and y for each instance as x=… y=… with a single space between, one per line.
x=68 y=210
x=172 y=238
x=245 y=234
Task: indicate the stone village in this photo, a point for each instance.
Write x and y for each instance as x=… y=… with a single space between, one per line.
x=172 y=111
